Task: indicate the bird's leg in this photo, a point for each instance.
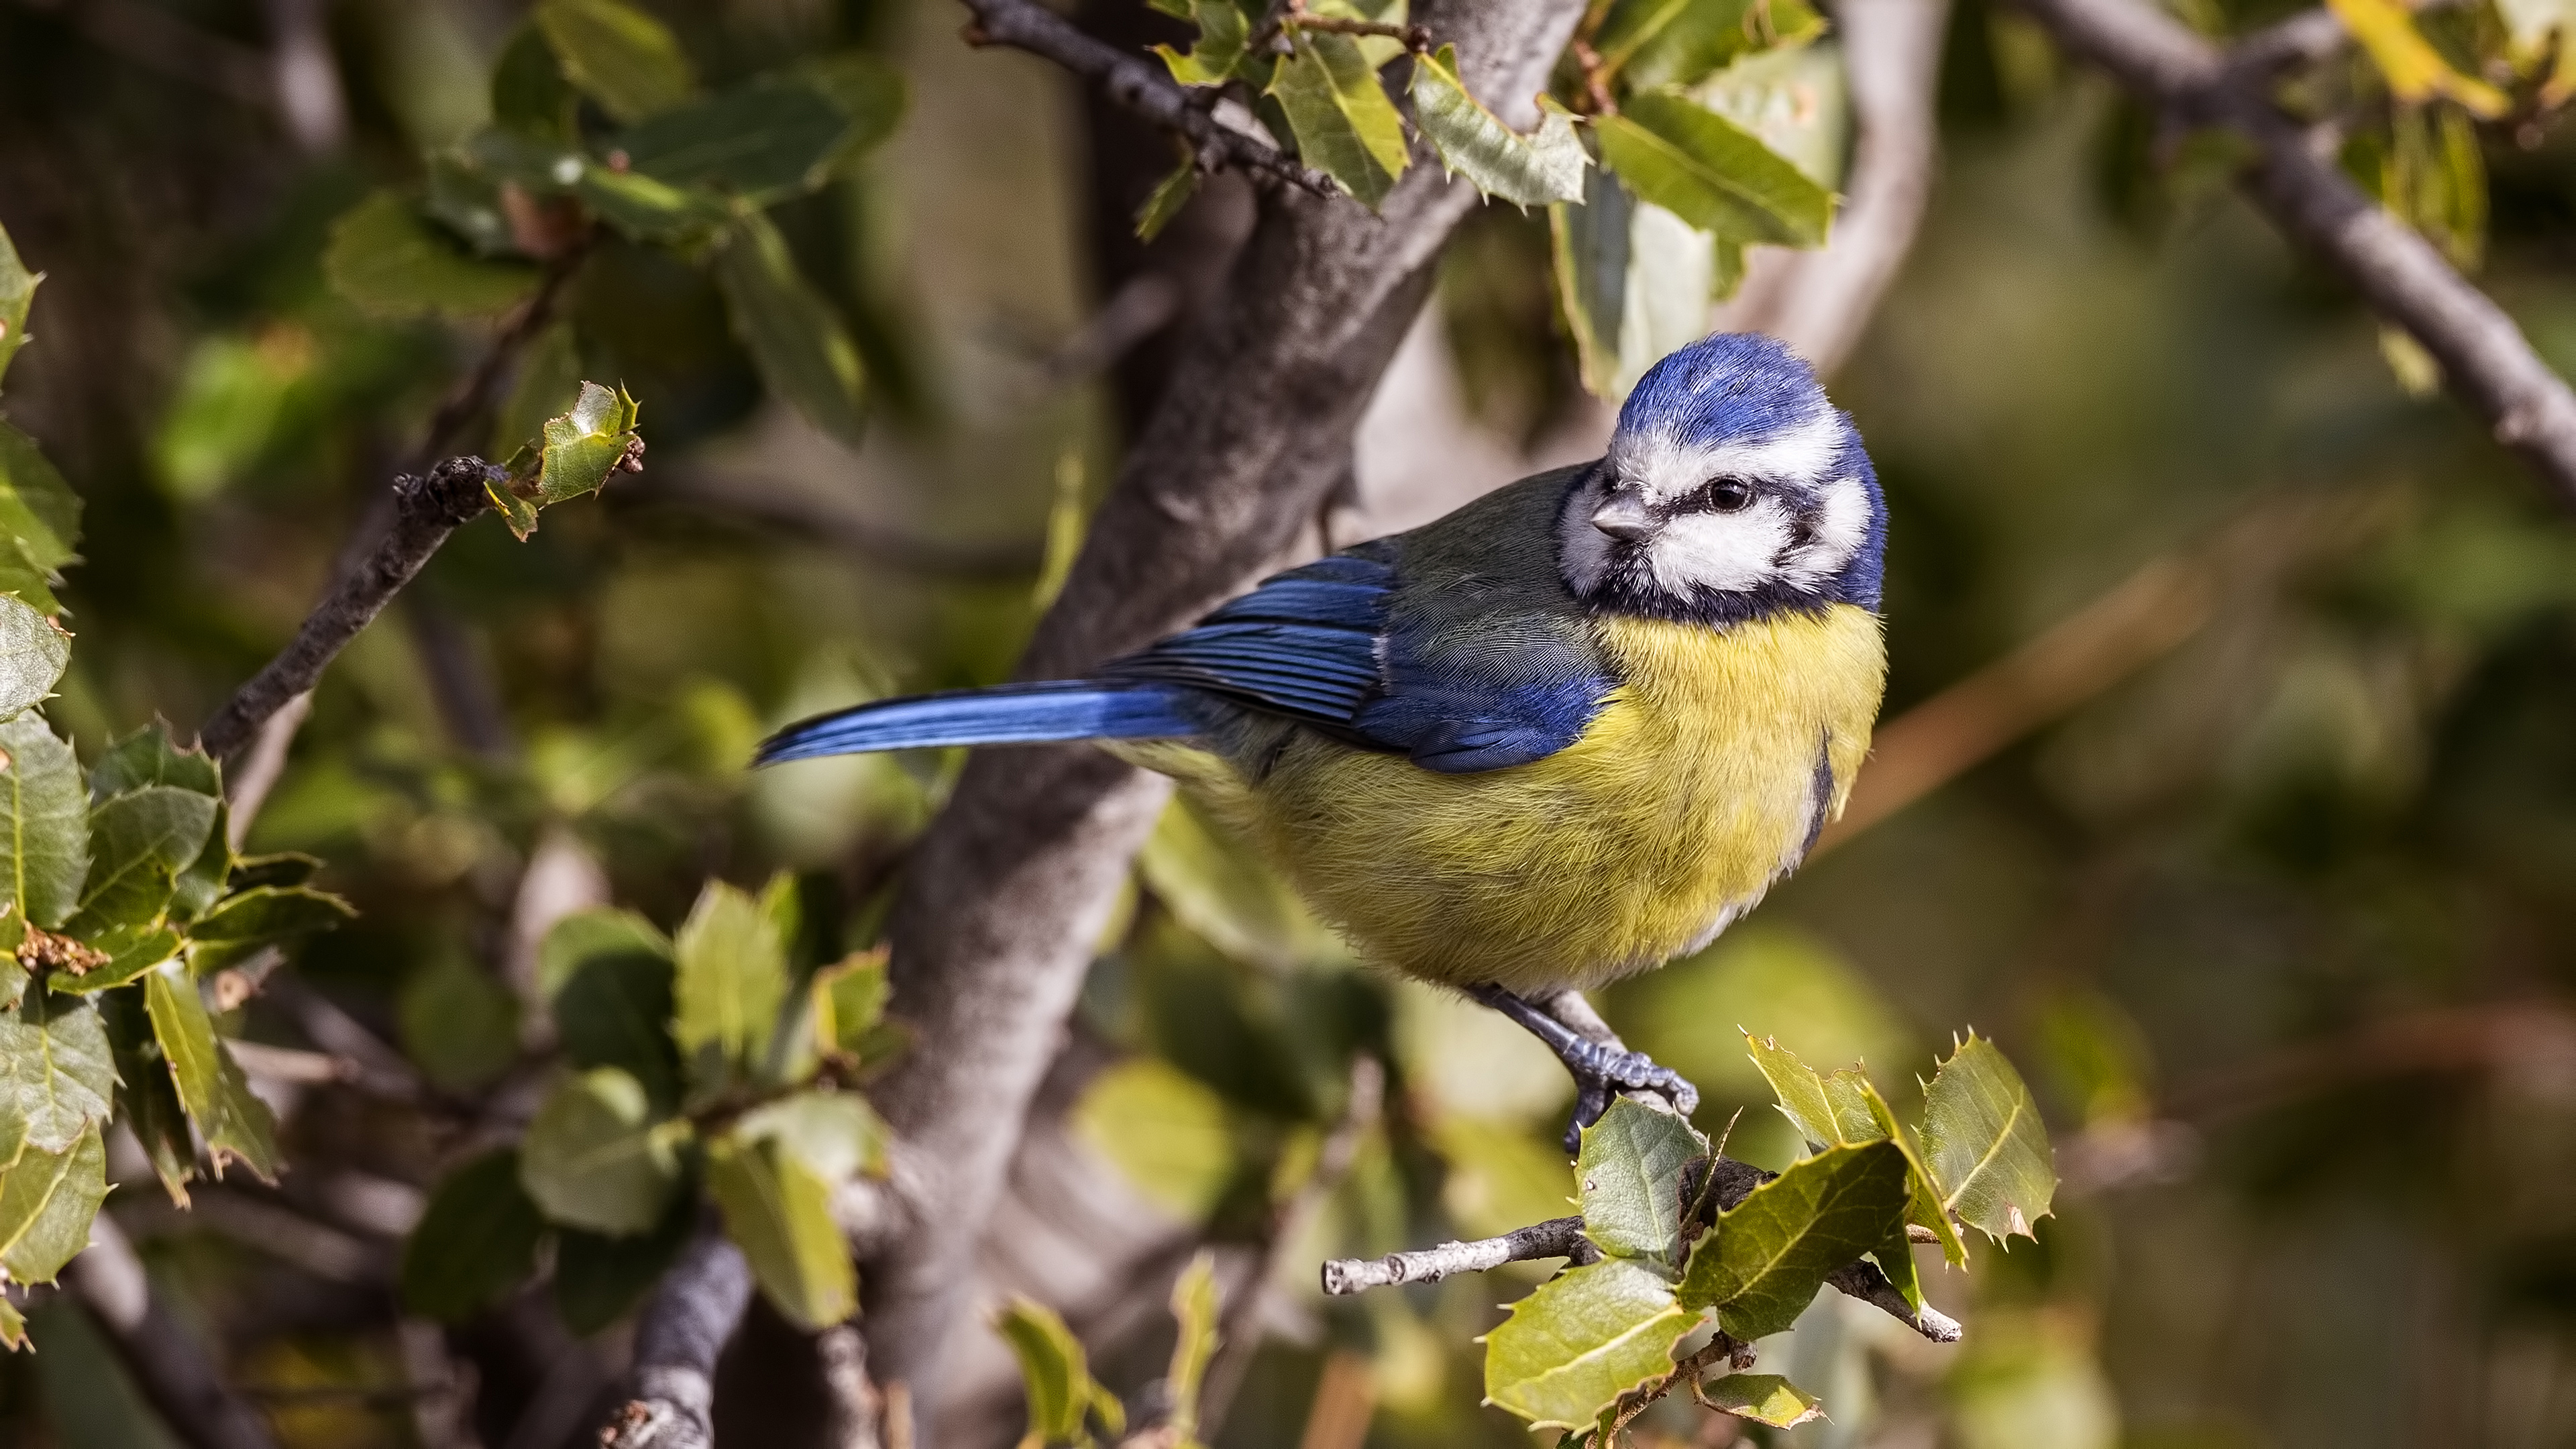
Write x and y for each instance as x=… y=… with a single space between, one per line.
x=1601 y=1064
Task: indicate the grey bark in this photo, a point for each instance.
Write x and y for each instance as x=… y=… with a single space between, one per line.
x=678 y=1338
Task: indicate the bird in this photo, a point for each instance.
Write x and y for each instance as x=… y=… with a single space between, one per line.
x=1564 y=734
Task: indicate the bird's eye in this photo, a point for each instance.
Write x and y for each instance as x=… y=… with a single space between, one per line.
x=1726 y=494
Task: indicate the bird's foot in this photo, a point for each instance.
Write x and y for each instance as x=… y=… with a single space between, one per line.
x=1601 y=1069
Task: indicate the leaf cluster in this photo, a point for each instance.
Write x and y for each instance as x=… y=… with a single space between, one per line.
x=1066 y=1403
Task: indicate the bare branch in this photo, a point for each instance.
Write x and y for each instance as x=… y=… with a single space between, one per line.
x=1137 y=83
x=1555 y=1238
x=856 y=1404
x=168 y=1363
x=2486 y=361
x=681 y=1331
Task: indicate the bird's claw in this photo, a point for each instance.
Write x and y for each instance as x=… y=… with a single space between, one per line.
x=1601 y=1073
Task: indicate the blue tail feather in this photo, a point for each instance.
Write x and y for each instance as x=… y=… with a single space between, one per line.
x=1010 y=714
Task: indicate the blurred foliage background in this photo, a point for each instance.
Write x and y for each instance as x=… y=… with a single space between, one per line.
x=2281 y=923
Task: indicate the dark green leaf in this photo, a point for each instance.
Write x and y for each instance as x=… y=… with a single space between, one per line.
x=130 y=951
x=1344 y=123
x=145 y=1098
x=1225 y=31
x=1762 y=1398
x=33 y=654
x=529 y=93
x=139 y=842
x=1585 y=1337
x=619 y=56
x=588 y=937
x=795 y=336
x=609 y=975
x=467 y=201
x=458 y=1022
x=649 y=209
x=732 y=980
x=1170 y=194
x=1771 y=1252
x=148 y=757
x=1534 y=170
x=1985 y=1144
x=599 y=1279
x=1712 y=173
x=762 y=142
x=56 y=1073
x=283 y=870
x=780 y=1215
x=476 y=1241
x=388 y=261
x=44 y=822
x=594 y=1158
x=1925 y=1210
x=235 y=1123
x=17 y=296
x=208 y=876
x=1630 y=1171
x=868 y=91
x=39 y=516
x=263 y=915
x=46 y=1202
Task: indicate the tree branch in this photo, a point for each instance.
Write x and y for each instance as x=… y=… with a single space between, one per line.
x=427 y=508
x=168 y=1363
x=1016 y=878
x=678 y=1337
x=1139 y=84
x=2486 y=362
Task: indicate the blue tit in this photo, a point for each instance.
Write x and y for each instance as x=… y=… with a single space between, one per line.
x=1564 y=734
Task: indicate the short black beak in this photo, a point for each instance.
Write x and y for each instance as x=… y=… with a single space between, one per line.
x=1624 y=516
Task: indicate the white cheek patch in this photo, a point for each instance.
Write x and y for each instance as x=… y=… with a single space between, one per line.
x=1665 y=468
x=1728 y=551
x=1583 y=552
x=1840 y=522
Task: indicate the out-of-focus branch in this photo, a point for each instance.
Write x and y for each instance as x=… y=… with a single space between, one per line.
x=1137 y=83
x=262 y=767
x=307 y=78
x=812 y=520
x=427 y=508
x=856 y=1405
x=1016 y=878
x=168 y=1363
x=680 y=1333
x=1819 y=301
x=2486 y=361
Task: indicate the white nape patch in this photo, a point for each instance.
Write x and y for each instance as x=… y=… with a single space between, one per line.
x=1841 y=522
x=1583 y=552
x=1666 y=467
x=1734 y=552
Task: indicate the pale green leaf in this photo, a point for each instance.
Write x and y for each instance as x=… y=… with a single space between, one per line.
x=594 y=1158
x=1228 y=895
x=1829 y=1111
x=795 y=336
x=56 y=1073
x=1225 y=31
x=849 y=999
x=33 y=654
x=1762 y=1398
x=1534 y=170
x=44 y=822
x=388 y=261
x=618 y=55
x=2415 y=71
x=1634 y=282
x=1344 y=124
x=780 y=1215
x=235 y=1123
x=1925 y=1209
x=139 y=842
x=476 y=1240
x=586 y=937
x=1194 y=1307
x=1168 y=1133
x=1630 y=1172
x=1985 y=1144
x=17 y=296
x=1649 y=43
x=1712 y=173
x=1581 y=1340
x=732 y=980
x=1053 y=1371
x=1771 y=1252
x=13 y=1326
x=46 y=1202
x=834 y=1135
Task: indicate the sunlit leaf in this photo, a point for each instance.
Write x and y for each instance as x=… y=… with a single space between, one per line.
x=780 y=1215
x=1630 y=1171
x=388 y=261
x=1925 y=1209
x=1194 y=1307
x=1533 y=170
x=1771 y=1252
x=17 y=296
x=1634 y=282
x=139 y=842
x=44 y=822
x=594 y=1158
x=235 y=1124
x=2415 y=71
x=1712 y=173
x=1829 y=1111
x=1225 y=31
x=47 y=1199
x=1055 y=1373
x=13 y=1326
x=33 y=654
x=732 y=979
x=1985 y=1143
x=795 y=336
x=1228 y=895
x=146 y=1101
x=1762 y=1398
x=618 y=55
x=833 y=1135
x=56 y=1073
x=1581 y=1340
x=1166 y=1132
x=476 y=1240
x=129 y=951
x=849 y=1003
x=1648 y=43
x=1344 y=123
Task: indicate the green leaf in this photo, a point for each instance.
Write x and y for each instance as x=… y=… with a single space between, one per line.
x=1585 y=1337
x=795 y=336
x=1650 y=43
x=849 y=1003
x=868 y=90
x=1227 y=894
x=149 y=757
x=587 y=937
x=763 y=142
x=599 y=1279
x=608 y=974
x=56 y=1073
x=235 y=1123
x=1771 y=1252
x=617 y=55
x=1763 y=1398
x=648 y=209
x=284 y=870
x=33 y=653
x=594 y=1157
x=46 y=1202
x=732 y=980
x=1344 y=123
x=13 y=1326
x=1712 y=173
x=1634 y=282
x=1225 y=32
x=139 y=842
x=40 y=517
x=1053 y=1369
x=17 y=296
x=2415 y=70
x=1533 y=170
x=1985 y=1144
x=1170 y=194
x=145 y=1098
x=475 y=1242
x=1166 y=1132
x=780 y=1215
x=205 y=879
x=262 y=915
x=130 y=951
x=574 y=456
x=385 y=259
x=458 y=1022
x=1827 y=1111
x=529 y=93
x=834 y=1135
x=1630 y=1169
x=1925 y=1209
x=44 y=822
x=1194 y=1306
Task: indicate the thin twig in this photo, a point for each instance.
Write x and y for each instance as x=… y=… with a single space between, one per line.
x=2486 y=361
x=1139 y=84
x=1416 y=38
x=677 y=1338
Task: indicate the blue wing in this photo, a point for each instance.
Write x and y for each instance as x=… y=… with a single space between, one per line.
x=1013 y=714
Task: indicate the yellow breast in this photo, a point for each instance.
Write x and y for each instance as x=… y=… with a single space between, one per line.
x=1701 y=780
